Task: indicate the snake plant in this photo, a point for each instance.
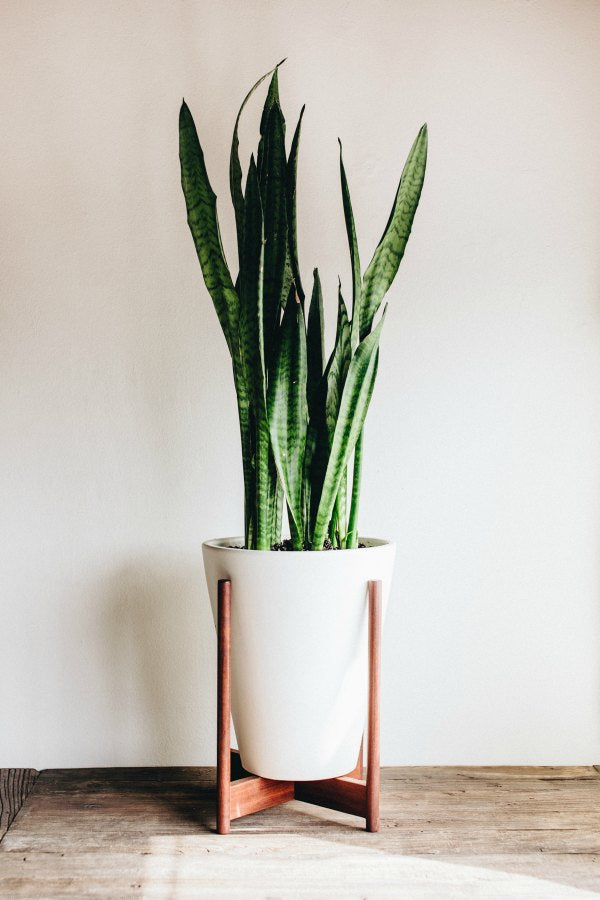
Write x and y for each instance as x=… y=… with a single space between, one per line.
x=301 y=415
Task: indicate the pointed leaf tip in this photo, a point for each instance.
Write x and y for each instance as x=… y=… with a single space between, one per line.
x=202 y=217
x=388 y=254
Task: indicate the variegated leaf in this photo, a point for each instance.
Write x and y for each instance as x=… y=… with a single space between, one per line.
x=354 y=404
x=382 y=269
x=201 y=204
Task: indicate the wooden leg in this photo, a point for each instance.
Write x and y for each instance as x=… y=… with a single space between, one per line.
x=224 y=708
x=373 y=772
x=349 y=793
x=249 y=793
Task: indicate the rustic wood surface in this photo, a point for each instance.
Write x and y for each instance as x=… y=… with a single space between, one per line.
x=445 y=833
x=15 y=784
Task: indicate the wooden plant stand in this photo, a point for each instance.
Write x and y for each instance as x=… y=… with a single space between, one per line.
x=240 y=793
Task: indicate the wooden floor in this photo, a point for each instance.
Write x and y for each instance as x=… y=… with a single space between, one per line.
x=445 y=833
x=15 y=784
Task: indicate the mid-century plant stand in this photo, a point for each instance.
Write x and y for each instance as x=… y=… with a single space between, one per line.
x=240 y=793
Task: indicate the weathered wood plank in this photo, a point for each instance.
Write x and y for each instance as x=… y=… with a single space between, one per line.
x=445 y=832
x=308 y=868
x=15 y=784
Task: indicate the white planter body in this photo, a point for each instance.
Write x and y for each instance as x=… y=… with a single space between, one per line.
x=299 y=660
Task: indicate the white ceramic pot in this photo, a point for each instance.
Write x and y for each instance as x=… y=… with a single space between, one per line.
x=299 y=626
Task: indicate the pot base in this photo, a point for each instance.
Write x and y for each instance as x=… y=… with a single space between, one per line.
x=240 y=793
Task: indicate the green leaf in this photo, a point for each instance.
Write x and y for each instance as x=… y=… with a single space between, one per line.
x=262 y=493
x=336 y=377
x=273 y=192
x=276 y=503
x=264 y=484
x=352 y=412
x=315 y=341
x=287 y=412
x=292 y=173
x=251 y=290
x=235 y=170
x=323 y=411
x=337 y=367
x=354 y=257
x=307 y=477
x=352 y=538
x=271 y=100
x=247 y=436
x=337 y=527
x=252 y=354
x=382 y=269
x=201 y=203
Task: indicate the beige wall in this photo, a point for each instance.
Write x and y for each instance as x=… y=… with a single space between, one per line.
x=119 y=450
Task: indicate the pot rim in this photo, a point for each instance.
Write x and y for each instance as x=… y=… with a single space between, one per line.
x=223 y=544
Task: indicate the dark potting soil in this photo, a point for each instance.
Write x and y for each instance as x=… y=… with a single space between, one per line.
x=287 y=545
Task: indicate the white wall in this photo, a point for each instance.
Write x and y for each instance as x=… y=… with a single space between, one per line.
x=119 y=448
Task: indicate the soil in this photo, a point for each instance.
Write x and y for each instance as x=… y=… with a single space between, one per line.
x=287 y=545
